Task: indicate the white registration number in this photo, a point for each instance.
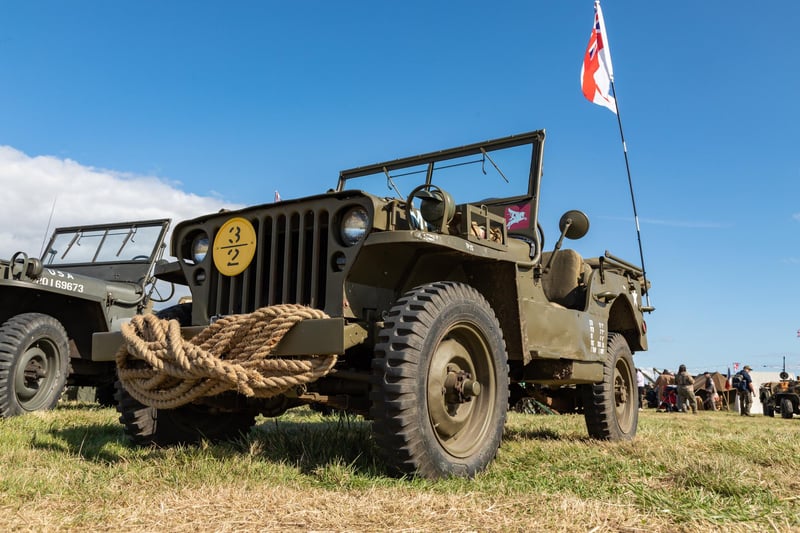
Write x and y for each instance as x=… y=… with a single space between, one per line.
x=61 y=281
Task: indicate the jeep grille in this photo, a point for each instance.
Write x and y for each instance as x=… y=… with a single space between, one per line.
x=289 y=265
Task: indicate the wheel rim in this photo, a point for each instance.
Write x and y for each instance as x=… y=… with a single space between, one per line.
x=623 y=395
x=460 y=424
x=36 y=373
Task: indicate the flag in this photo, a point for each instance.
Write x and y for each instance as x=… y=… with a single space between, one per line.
x=277 y=196
x=596 y=71
x=798 y=332
x=728 y=384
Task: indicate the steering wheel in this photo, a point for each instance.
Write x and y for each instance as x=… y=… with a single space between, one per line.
x=433 y=193
x=140 y=258
x=154 y=294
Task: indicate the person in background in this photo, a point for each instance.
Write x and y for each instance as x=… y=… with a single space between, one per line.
x=640 y=386
x=746 y=391
x=664 y=380
x=710 y=402
x=685 y=383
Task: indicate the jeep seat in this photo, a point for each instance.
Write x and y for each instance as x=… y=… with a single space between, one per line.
x=565 y=282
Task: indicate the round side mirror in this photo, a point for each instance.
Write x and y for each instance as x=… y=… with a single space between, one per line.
x=578 y=224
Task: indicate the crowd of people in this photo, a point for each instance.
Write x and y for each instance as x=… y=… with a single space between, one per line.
x=679 y=392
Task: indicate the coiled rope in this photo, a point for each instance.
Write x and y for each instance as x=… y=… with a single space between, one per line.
x=160 y=369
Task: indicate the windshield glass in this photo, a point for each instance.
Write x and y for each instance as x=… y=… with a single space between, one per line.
x=134 y=243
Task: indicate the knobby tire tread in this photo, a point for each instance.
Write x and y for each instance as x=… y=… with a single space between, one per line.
x=396 y=370
x=12 y=334
x=598 y=399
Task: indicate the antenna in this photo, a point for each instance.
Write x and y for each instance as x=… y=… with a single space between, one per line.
x=47 y=229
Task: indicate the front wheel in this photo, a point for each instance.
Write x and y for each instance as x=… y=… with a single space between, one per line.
x=34 y=363
x=787 y=408
x=610 y=407
x=440 y=382
x=189 y=424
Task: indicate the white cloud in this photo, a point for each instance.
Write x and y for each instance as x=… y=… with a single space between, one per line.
x=82 y=195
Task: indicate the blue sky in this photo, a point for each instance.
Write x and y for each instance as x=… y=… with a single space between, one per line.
x=145 y=109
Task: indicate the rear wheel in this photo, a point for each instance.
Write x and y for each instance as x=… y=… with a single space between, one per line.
x=787 y=408
x=767 y=408
x=34 y=363
x=610 y=407
x=440 y=382
x=188 y=424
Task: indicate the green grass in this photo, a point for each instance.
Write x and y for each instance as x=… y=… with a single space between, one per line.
x=71 y=469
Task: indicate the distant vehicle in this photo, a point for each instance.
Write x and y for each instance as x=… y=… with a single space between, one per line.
x=436 y=308
x=90 y=279
x=780 y=396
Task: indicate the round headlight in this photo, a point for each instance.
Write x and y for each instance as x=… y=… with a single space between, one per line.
x=199 y=248
x=354 y=225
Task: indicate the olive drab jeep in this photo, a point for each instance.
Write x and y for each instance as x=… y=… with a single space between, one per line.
x=780 y=397
x=439 y=309
x=90 y=279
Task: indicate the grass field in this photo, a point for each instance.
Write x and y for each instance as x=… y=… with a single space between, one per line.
x=71 y=469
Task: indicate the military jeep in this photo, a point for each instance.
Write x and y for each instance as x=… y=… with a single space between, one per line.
x=780 y=396
x=90 y=279
x=438 y=309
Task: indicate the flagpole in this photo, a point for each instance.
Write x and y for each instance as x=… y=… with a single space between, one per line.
x=633 y=198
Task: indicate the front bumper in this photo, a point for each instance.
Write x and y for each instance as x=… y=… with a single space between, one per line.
x=323 y=336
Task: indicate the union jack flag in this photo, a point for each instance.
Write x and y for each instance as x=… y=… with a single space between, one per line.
x=597 y=73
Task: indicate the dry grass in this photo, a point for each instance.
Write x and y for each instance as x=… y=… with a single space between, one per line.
x=70 y=469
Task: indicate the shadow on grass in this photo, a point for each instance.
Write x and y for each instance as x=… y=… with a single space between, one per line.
x=303 y=442
x=86 y=441
x=311 y=446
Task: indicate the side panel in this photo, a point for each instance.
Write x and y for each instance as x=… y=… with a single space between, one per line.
x=555 y=332
x=79 y=316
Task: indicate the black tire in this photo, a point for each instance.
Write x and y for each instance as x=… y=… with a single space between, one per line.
x=189 y=424
x=787 y=408
x=34 y=363
x=610 y=407
x=105 y=395
x=768 y=409
x=436 y=334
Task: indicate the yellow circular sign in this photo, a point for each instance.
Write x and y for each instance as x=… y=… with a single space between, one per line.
x=234 y=246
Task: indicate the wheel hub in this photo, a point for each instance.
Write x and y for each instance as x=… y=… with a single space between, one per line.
x=459 y=386
x=33 y=370
x=620 y=392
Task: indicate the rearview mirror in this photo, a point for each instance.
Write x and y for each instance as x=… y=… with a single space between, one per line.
x=574 y=224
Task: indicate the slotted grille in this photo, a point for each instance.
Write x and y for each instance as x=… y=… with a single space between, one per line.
x=289 y=264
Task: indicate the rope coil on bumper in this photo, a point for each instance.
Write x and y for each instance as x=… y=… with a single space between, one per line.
x=160 y=369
